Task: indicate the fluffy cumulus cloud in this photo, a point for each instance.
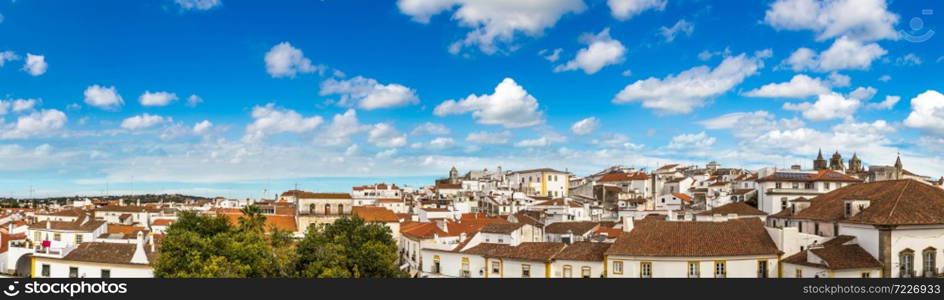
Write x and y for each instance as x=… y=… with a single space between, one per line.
x=490 y=138
x=17 y=105
x=510 y=106
x=6 y=56
x=157 y=98
x=106 y=98
x=827 y=107
x=385 y=135
x=283 y=60
x=747 y=125
x=202 y=127
x=927 y=112
x=888 y=103
x=864 y=20
x=549 y=55
x=440 y=143
x=626 y=9
x=586 y=126
x=270 y=119
x=342 y=127
x=680 y=93
x=800 y=86
x=493 y=24
x=844 y=54
x=601 y=51
x=143 y=121
x=198 y=4
x=35 y=64
x=194 y=100
x=695 y=141
x=367 y=93
x=38 y=123
x=682 y=26
x=430 y=128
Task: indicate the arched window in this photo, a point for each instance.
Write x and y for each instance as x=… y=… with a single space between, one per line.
x=327 y=209
x=340 y=209
x=929 y=261
x=906 y=263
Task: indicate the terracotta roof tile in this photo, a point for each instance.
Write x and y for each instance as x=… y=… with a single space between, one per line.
x=374 y=214
x=745 y=236
x=578 y=228
x=894 y=202
x=584 y=251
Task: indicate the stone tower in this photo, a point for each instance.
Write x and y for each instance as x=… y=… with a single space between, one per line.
x=855 y=164
x=898 y=167
x=453 y=175
x=836 y=163
x=819 y=163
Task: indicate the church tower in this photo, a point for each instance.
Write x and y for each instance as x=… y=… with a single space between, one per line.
x=855 y=164
x=836 y=163
x=819 y=163
x=453 y=175
x=898 y=167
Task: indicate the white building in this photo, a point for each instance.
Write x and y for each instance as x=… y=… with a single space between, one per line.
x=99 y=260
x=776 y=190
x=544 y=182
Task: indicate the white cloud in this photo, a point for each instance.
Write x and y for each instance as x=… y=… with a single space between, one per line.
x=669 y=33
x=283 y=60
x=538 y=142
x=35 y=64
x=493 y=23
x=863 y=93
x=885 y=78
x=601 y=51
x=198 y=4
x=888 y=103
x=385 y=135
x=585 y=126
x=864 y=20
x=800 y=86
x=157 y=98
x=680 y=93
x=342 y=127
x=193 y=100
x=747 y=125
x=553 y=56
x=510 y=106
x=369 y=94
x=142 y=121
x=38 y=123
x=106 y=98
x=694 y=141
x=6 y=56
x=440 y=143
x=610 y=140
x=839 y=80
x=909 y=59
x=927 y=112
x=203 y=127
x=827 y=107
x=844 y=54
x=626 y=9
x=270 y=119
x=492 y=138
x=430 y=128
x=17 y=105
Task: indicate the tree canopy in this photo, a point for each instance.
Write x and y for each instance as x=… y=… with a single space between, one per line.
x=211 y=246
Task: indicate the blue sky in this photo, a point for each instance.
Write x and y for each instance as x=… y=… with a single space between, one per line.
x=223 y=97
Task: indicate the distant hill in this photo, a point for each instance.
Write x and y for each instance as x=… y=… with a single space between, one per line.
x=129 y=199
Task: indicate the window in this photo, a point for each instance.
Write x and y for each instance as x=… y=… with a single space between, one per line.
x=45 y=270
x=645 y=269
x=929 y=261
x=762 y=269
x=435 y=264
x=783 y=203
x=327 y=209
x=808 y=185
x=617 y=267
x=827 y=185
x=496 y=267
x=906 y=263
x=778 y=185
x=848 y=209
x=796 y=185
x=78 y=238
x=568 y=271
x=720 y=269
x=38 y=236
x=866 y=275
x=799 y=273
x=106 y=273
x=800 y=226
x=73 y=272
x=340 y=209
x=585 y=272
x=465 y=268
x=57 y=236
x=693 y=269
x=525 y=271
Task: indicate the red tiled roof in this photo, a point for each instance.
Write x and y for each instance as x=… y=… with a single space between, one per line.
x=623 y=176
x=894 y=202
x=374 y=214
x=683 y=197
x=745 y=236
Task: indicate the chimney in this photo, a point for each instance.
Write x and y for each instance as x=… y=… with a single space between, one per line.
x=628 y=224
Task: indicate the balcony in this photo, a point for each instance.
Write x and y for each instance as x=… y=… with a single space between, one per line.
x=903 y=273
x=932 y=272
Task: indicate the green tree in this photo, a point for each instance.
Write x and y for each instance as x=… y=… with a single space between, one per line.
x=348 y=248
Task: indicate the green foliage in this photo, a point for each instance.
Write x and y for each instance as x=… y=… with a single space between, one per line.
x=198 y=246
x=348 y=248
